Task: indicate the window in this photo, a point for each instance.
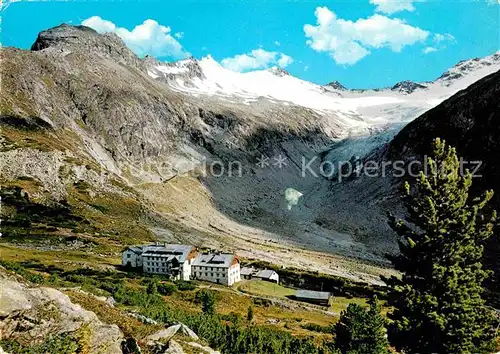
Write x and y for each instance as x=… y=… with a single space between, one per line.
x=147 y=269
x=128 y=255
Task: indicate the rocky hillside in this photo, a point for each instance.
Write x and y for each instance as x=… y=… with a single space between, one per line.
x=39 y=319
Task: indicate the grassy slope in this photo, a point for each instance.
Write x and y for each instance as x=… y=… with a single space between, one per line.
x=259 y=287
x=109 y=219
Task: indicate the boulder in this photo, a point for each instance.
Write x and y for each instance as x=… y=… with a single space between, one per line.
x=174 y=348
x=205 y=349
x=169 y=332
x=30 y=314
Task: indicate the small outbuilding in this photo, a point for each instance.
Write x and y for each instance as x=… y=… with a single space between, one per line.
x=247 y=272
x=314 y=297
x=268 y=275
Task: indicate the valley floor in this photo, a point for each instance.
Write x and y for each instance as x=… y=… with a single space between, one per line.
x=90 y=278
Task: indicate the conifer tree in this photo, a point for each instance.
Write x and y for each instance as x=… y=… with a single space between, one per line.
x=359 y=331
x=152 y=287
x=250 y=314
x=437 y=301
x=207 y=299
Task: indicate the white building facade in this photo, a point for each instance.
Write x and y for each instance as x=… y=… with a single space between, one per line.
x=220 y=268
x=170 y=260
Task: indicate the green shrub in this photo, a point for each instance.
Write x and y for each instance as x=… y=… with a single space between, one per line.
x=207 y=300
x=60 y=344
x=185 y=285
x=166 y=288
x=317 y=328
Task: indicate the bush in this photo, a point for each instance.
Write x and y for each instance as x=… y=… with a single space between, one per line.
x=250 y=314
x=152 y=287
x=61 y=344
x=26 y=274
x=232 y=317
x=261 y=302
x=207 y=299
x=185 y=285
x=317 y=328
x=166 y=288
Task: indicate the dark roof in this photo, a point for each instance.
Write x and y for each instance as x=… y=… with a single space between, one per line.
x=309 y=294
x=223 y=260
x=135 y=249
x=168 y=251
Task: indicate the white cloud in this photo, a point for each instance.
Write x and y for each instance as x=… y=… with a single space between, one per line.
x=148 y=38
x=347 y=42
x=393 y=6
x=179 y=35
x=438 y=37
x=256 y=59
x=284 y=60
x=428 y=50
x=100 y=25
x=439 y=41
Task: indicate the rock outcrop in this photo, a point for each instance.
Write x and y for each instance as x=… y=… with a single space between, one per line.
x=408 y=87
x=167 y=333
x=336 y=86
x=29 y=315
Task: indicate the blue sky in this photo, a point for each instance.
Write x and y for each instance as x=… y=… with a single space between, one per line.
x=361 y=43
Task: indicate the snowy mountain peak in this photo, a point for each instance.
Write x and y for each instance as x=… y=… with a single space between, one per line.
x=278 y=71
x=466 y=67
x=336 y=86
x=407 y=87
x=186 y=69
x=348 y=110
